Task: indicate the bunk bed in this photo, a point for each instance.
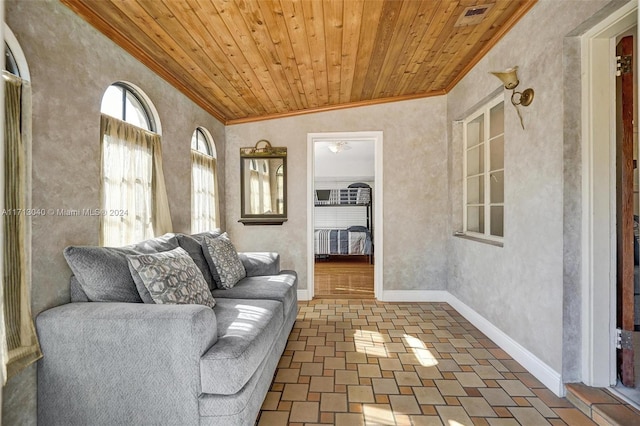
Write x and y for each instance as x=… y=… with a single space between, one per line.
x=354 y=239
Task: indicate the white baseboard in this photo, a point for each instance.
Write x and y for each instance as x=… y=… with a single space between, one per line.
x=415 y=296
x=538 y=368
x=303 y=294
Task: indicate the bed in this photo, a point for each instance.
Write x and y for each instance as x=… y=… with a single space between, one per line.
x=346 y=228
x=350 y=241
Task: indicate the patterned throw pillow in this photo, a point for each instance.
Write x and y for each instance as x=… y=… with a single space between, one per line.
x=172 y=277
x=222 y=255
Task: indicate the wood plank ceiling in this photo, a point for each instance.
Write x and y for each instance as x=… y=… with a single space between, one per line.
x=247 y=60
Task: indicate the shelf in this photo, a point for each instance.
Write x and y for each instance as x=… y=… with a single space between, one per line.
x=342 y=205
x=263 y=221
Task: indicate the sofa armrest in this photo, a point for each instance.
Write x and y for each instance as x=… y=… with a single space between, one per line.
x=121 y=358
x=260 y=263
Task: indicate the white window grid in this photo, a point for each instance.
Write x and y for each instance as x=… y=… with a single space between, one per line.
x=486 y=173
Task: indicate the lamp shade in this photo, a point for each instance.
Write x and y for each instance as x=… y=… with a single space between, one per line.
x=509 y=77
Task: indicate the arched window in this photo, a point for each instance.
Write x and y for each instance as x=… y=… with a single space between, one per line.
x=200 y=142
x=134 y=199
x=124 y=103
x=204 y=182
x=11 y=64
x=21 y=347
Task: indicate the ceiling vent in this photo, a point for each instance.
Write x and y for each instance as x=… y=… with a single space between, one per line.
x=473 y=15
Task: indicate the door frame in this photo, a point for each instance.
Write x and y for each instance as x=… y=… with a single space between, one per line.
x=598 y=219
x=375 y=137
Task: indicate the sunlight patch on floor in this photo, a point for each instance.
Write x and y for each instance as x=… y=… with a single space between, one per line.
x=370 y=343
x=420 y=351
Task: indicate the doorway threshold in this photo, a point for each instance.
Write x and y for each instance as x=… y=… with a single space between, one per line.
x=630 y=395
x=603 y=405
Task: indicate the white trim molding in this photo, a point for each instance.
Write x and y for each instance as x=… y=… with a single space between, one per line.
x=598 y=195
x=540 y=370
x=534 y=365
x=17 y=52
x=303 y=294
x=415 y=296
x=376 y=137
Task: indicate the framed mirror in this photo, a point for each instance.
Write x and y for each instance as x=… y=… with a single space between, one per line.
x=263 y=184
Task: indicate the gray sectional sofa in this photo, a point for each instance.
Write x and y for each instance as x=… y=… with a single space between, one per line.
x=124 y=362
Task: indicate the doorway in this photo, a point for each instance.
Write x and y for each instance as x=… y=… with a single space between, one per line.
x=345 y=215
x=627 y=280
x=599 y=196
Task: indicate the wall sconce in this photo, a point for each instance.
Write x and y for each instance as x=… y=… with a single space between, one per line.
x=509 y=78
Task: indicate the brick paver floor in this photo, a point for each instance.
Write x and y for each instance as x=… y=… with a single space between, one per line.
x=361 y=362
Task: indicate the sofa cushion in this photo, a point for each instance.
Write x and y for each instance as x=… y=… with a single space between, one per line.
x=246 y=331
x=260 y=263
x=194 y=248
x=103 y=272
x=281 y=287
x=75 y=290
x=222 y=255
x=199 y=237
x=170 y=277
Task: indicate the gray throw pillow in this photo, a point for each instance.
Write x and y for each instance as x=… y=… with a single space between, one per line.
x=172 y=277
x=222 y=255
x=194 y=248
x=215 y=277
x=103 y=272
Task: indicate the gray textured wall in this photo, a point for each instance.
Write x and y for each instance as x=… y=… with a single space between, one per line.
x=520 y=287
x=71 y=65
x=414 y=169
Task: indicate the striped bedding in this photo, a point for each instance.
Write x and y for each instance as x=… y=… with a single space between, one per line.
x=341 y=241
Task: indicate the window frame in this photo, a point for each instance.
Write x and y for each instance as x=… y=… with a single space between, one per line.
x=126 y=92
x=484 y=110
x=153 y=123
x=203 y=138
x=11 y=63
x=11 y=42
x=26 y=353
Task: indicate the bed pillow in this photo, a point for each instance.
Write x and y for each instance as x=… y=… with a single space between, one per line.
x=171 y=277
x=103 y=272
x=358 y=185
x=222 y=255
x=357 y=229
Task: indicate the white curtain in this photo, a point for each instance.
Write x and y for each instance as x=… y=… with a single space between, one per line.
x=19 y=347
x=204 y=192
x=134 y=198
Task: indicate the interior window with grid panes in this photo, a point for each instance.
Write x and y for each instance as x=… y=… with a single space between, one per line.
x=484 y=171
